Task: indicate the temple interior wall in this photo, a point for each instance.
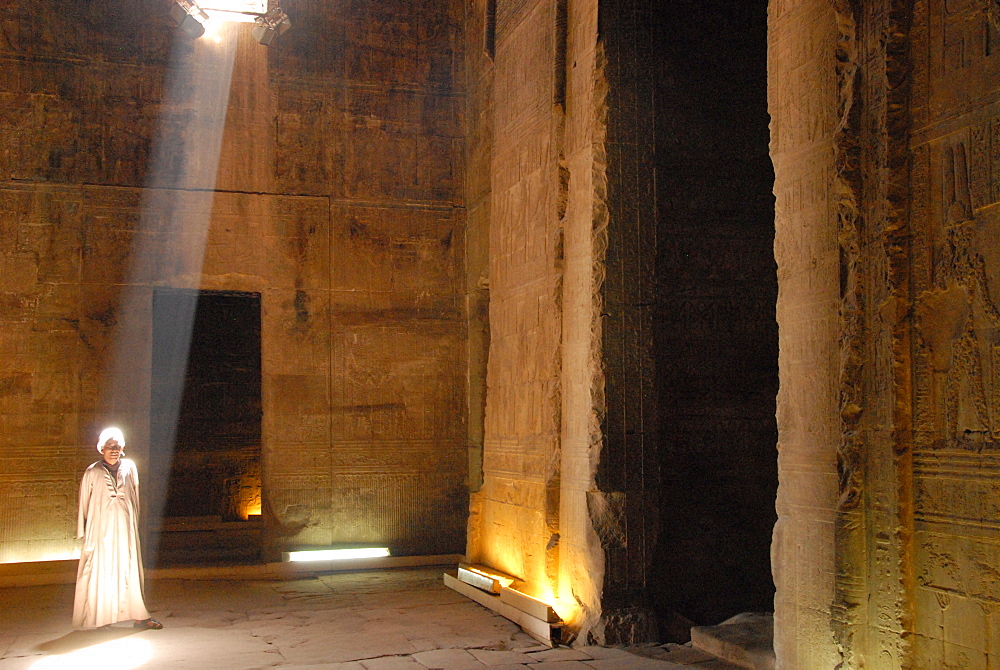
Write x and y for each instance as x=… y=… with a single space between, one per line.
x=954 y=264
x=595 y=226
x=554 y=505
x=882 y=138
x=517 y=507
x=336 y=197
x=514 y=281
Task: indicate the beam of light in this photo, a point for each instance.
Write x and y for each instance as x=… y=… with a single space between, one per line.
x=224 y=15
x=122 y=654
x=167 y=253
x=213 y=31
x=337 y=554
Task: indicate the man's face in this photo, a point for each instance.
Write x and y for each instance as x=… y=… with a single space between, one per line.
x=112 y=451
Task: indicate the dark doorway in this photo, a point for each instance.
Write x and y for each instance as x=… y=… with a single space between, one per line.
x=716 y=338
x=206 y=424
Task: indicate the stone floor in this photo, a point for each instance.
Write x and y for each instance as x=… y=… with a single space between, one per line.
x=378 y=620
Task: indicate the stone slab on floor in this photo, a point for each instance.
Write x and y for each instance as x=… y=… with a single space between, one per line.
x=452 y=659
x=378 y=620
x=489 y=657
x=561 y=654
x=746 y=640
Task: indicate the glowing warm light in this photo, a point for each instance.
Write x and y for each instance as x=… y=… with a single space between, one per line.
x=496 y=576
x=213 y=31
x=337 y=554
x=236 y=11
x=567 y=608
x=121 y=654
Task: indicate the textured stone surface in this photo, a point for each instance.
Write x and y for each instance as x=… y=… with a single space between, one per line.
x=544 y=513
x=745 y=640
x=376 y=620
x=336 y=171
x=803 y=99
x=885 y=170
x=515 y=522
x=954 y=267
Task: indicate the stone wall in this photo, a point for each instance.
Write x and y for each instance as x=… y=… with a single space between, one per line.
x=564 y=504
x=625 y=502
x=480 y=33
x=885 y=188
x=955 y=370
x=336 y=198
x=518 y=517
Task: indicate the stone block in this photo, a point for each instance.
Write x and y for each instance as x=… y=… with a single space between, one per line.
x=492 y=658
x=745 y=640
x=411 y=252
x=454 y=659
x=392 y=663
x=560 y=654
x=297 y=394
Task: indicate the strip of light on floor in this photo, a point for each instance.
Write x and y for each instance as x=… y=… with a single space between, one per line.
x=337 y=554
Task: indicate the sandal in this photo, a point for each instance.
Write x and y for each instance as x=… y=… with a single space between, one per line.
x=148 y=624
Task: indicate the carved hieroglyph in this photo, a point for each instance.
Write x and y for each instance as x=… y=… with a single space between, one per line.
x=337 y=201
x=803 y=101
x=956 y=366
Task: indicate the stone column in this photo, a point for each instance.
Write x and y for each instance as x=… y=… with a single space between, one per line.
x=804 y=97
x=566 y=461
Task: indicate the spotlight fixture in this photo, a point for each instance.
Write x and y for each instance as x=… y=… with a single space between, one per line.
x=269 y=19
x=189 y=17
x=273 y=23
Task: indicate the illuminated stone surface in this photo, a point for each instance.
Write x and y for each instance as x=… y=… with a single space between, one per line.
x=371 y=620
x=886 y=266
x=592 y=326
x=449 y=216
x=337 y=188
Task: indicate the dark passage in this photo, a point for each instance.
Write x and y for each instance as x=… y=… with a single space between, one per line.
x=715 y=331
x=212 y=498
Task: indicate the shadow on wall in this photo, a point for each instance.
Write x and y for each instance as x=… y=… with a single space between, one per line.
x=715 y=332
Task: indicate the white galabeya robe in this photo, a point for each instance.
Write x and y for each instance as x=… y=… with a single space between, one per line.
x=109 y=580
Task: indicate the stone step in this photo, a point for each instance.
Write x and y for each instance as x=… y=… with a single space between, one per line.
x=185 y=541
x=746 y=640
x=682 y=656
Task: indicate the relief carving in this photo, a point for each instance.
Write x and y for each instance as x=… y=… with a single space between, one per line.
x=994 y=160
x=957 y=42
x=979 y=167
x=958 y=318
x=966 y=33
x=957 y=196
x=992 y=27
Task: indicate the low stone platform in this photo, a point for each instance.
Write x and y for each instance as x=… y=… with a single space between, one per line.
x=746 y=639
x=375 y=620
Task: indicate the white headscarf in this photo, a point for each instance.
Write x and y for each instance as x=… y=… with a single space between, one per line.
x=109 y=433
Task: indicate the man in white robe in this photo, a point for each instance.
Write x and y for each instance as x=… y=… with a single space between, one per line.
x=109 y=580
